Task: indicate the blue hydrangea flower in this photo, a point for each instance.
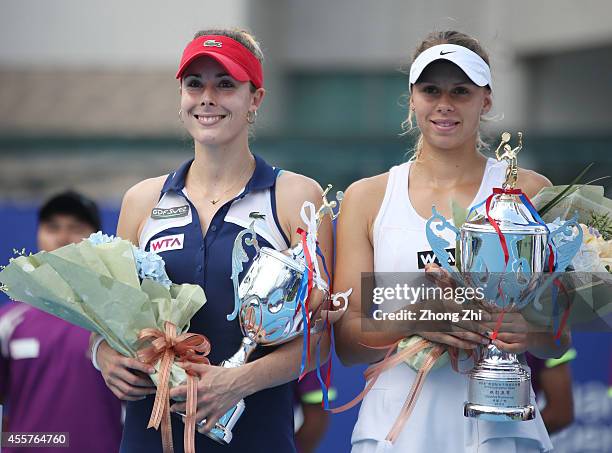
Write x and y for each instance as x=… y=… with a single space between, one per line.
x=148 y=264
x=101 y=238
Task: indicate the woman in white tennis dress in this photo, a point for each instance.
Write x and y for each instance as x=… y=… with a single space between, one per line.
x=382 y=229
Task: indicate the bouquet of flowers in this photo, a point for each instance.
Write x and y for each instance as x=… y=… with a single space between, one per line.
x=588 y=283
x=108 y=286
x=594 y=212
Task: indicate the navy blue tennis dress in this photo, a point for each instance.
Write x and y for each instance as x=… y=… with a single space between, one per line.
x=173 y=230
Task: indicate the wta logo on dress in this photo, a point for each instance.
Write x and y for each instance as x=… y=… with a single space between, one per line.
x=428 y=257
x=163 y=244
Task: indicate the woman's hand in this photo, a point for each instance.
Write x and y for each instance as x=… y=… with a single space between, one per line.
x=463 y=334
x=513 y=332
x=219 y=389
x=127 y=378
x=461 y=340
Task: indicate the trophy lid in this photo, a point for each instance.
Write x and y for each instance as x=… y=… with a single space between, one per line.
x=510 y=214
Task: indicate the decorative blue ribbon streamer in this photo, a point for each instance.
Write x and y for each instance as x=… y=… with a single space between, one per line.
x=302 y=292
x=319 y=377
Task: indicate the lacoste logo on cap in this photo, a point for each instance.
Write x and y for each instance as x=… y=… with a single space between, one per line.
x=444 y=53
x=212 y=43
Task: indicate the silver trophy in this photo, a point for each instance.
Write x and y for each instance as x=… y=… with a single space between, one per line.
x=269 y=301
x=505 y=251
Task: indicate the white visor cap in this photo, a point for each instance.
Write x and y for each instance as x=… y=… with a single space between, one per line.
x=470 y=62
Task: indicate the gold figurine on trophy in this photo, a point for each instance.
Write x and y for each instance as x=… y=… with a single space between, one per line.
x=327 y=208
x=509 y=155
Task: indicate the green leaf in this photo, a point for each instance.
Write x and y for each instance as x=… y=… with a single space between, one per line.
x=571 y=188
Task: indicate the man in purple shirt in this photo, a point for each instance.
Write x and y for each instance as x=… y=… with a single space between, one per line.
x=47 y=381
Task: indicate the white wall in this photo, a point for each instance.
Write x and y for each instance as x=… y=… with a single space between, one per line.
x=370 y=33
x=70 y=48
x=60 y=33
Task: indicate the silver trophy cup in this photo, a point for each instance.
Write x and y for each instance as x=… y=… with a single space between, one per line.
x=499 y=385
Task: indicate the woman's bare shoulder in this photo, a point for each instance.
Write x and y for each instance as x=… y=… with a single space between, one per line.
x=369 y=192
x=294 y=187
x=531 y=182
x=362 y=201
x=137 y=203
x=145 y=193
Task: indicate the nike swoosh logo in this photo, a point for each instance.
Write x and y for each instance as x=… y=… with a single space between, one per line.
x=444 y=53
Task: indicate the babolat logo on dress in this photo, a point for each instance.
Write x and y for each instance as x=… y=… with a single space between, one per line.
x=170 y=213
x=212 y=43
x=163 y=244
x=428 y=257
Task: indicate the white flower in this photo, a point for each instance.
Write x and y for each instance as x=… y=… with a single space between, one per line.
x=595 y=253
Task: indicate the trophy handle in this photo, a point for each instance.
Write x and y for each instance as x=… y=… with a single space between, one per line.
x=437 y=243
x=568 y=249
x=239 y=257
x=336 y=310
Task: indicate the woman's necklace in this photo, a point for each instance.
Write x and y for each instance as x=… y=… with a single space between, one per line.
x=222 y=195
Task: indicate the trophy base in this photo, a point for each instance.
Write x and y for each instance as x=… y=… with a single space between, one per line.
x=499 y=388
x=499 y=414
x=222 y=432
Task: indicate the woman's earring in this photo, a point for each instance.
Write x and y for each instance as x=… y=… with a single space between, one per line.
x=180 y=114
x=251 y=116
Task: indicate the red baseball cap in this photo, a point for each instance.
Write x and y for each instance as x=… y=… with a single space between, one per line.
x=239 y=62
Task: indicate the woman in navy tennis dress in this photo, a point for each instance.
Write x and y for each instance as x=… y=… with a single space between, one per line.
x=191 y=218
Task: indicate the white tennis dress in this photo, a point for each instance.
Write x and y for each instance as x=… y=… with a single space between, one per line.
x=437 y=424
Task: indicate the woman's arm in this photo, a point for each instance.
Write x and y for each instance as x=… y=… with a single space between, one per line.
x=354 y=256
